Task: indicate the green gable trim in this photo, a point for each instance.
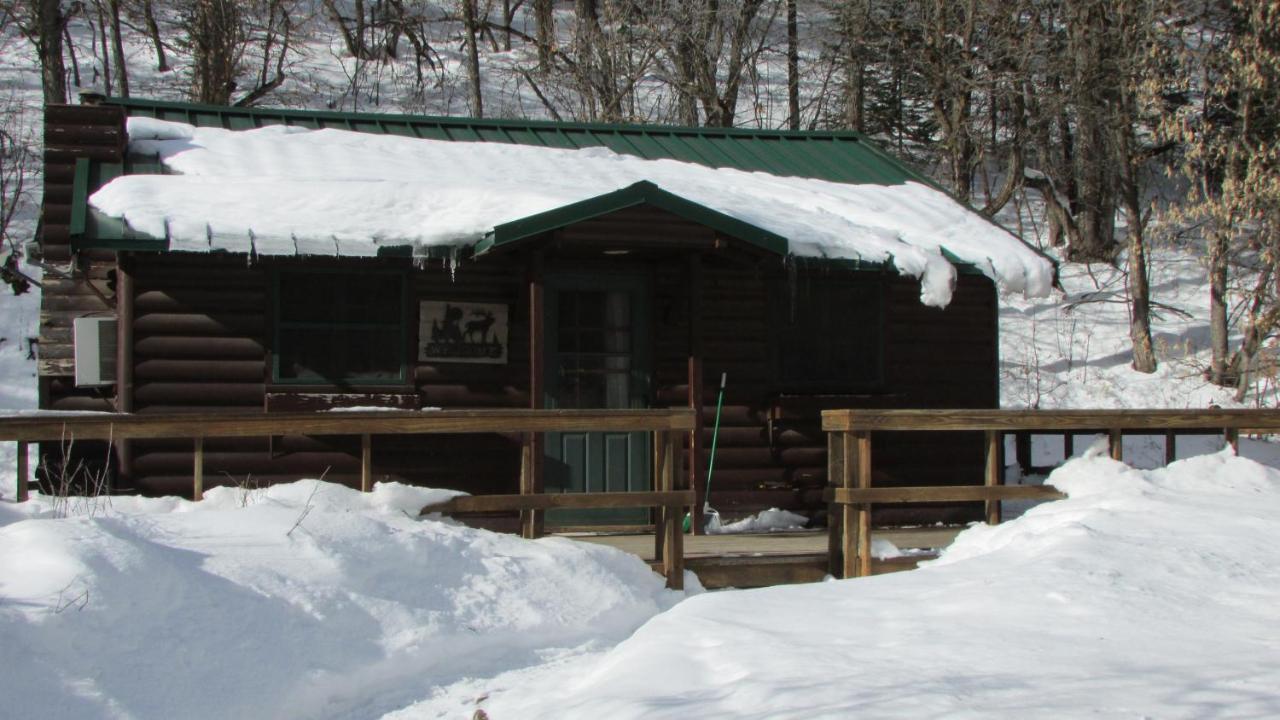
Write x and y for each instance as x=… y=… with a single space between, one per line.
x=837 y=156
x=641 y=193
x=79 y=196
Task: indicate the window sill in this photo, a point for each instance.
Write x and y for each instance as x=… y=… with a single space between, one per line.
x=316 y=398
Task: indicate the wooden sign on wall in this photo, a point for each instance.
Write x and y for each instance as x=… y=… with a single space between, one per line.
x=462 y=332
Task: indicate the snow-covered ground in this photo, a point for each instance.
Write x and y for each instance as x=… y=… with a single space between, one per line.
x=1145 y=594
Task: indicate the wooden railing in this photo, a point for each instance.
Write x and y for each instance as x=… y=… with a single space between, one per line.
x=669 y=497
x=849 y=457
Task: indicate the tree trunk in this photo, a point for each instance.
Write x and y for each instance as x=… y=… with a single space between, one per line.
x=545 y=21
x=473 y=57
x=1218 y=308
x=214 y=31
x=117 y=49
x=793 y=67
x=1144 y=356
x=854 y=28
x=49 y=26
x=106 y=51
x=153 y=31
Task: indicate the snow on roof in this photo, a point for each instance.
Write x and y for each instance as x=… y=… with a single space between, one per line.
x=299 y=191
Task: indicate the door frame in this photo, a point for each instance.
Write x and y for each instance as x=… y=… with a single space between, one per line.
x=637 y=282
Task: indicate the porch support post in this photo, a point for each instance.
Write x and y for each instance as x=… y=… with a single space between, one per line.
x=22 y=491
x=531 y=451
x=993 y=478
x=1116 y=442
x=697 y=478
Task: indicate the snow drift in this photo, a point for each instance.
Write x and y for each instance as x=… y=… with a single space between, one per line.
x=302 y=600
x=1145 y=594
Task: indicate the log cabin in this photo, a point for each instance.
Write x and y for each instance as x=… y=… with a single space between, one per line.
x=266 y=290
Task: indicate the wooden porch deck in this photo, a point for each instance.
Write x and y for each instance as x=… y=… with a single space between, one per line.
x=758 y=560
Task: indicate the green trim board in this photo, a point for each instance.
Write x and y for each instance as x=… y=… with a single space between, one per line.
x=641 y=193
x=79 y=196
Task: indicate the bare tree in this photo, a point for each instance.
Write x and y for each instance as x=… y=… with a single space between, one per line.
x=471 y=29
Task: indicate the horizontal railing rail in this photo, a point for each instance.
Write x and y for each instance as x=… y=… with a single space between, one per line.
x=851 y=495
x=574 y=501
x=1049 y=420
x=111 y=426
x=666 y=425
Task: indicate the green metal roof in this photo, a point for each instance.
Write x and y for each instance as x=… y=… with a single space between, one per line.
x=641 y=193
x=844 y=157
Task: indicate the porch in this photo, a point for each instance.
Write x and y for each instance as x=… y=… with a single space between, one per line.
x=844 y=549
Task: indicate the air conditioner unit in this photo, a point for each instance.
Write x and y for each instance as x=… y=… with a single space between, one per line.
x=95 y=351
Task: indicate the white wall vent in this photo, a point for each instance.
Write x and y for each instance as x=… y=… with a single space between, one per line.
x=95 y=345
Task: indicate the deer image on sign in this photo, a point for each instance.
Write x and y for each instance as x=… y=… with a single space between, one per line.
x=462 y=332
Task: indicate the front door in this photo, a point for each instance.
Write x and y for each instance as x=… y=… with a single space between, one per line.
x=596 y=357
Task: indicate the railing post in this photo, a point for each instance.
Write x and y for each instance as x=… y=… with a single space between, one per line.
x=993 y=478
x=366 y=463
x=1022 y=448
x=1170 y=447
x=835 y=479
x=530 y=520
x=864 y=510
x=660 y=513
x=1116 y=441
x=197 y=472
x=1233 y=439
x=848 y=513
x=674 y=560
x=668 y=534
x=22 y=489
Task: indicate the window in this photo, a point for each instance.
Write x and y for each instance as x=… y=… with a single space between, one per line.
x=830 y=338
x=339 y=328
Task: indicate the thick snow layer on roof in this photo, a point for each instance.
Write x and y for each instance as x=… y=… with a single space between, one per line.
x=333 y=192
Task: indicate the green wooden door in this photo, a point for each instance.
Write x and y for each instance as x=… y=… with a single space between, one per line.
x=597 y=357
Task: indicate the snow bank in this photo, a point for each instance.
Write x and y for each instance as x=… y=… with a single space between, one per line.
x=301 y=600
x=771 y=520
x=286 y=190
x=1144 y=594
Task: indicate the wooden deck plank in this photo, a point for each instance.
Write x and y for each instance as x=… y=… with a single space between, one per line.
x=809 y=542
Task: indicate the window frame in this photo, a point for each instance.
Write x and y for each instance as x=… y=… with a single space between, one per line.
x=786 y=307
x=347 y=381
